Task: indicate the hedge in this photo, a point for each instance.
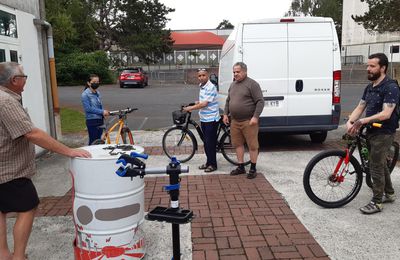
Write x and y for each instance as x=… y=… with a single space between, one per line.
x=74 y=68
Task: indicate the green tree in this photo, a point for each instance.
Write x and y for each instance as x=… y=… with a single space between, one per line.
x=73 y=25
x=323 y=8
x=382 y=16
x=225 y=24
x=141 y=29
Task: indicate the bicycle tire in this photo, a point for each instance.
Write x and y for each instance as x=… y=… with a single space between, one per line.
x=98 y=141
x=179 y=143
x=229 y=152
x=324 y=164
x=126 y=132
x=391 y=160
x=393 y=156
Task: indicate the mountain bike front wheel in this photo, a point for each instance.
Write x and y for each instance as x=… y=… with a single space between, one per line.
x=229 y=152
x=179 y=143
x=126 y=136
x=324 y=186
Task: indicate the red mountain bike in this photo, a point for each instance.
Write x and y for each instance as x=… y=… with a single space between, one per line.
x=333 y=178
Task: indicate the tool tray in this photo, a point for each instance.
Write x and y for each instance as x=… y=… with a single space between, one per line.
x=170 y=215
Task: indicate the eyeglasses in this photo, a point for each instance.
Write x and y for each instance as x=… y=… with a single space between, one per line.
x=202 y=69
x=21 y=76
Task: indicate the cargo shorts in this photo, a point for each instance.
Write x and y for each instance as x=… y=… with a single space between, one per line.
x=242 y=132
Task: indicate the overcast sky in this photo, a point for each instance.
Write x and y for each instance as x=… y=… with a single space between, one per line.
x=207 y=14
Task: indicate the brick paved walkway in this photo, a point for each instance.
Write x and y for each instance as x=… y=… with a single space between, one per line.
x=236 y=218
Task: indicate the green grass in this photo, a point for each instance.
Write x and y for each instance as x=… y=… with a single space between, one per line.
x=72 y=121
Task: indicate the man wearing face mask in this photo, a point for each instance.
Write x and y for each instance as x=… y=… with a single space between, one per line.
x=94 y=112
x=379 y=102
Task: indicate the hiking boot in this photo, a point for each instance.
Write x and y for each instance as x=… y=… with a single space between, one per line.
x=372 y=208
x=389 y=198
x=238 y=171
x=252 y=174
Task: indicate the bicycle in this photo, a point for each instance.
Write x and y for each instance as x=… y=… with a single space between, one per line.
x=333 y=178
x=122 y=125
x=180 y=142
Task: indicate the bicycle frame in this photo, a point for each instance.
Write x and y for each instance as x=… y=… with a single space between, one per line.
x=357 y=142
x=189 y=121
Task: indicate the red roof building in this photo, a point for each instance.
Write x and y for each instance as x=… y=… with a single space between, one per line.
x=196 y=40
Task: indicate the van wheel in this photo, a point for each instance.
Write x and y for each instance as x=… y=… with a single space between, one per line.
x=318 y=137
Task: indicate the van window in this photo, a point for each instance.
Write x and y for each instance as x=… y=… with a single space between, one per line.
x=2 y=55
x=14 y=56
x=8 y=24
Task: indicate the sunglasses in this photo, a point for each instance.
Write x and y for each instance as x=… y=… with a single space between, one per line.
x=198 y=70
x=21 y=76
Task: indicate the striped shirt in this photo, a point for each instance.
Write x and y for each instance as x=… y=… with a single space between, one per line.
x=209 y=93
x=17 y=154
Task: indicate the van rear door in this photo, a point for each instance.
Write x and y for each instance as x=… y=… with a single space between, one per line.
x=265 y=51
x=310 y=70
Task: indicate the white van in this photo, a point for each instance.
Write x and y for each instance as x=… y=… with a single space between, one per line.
x=296 y=61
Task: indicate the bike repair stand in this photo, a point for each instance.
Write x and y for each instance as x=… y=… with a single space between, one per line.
x=174 y=215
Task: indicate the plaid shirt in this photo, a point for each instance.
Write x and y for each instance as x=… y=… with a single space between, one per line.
x=17 y=154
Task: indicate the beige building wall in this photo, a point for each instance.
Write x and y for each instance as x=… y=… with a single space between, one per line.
x=357 y=41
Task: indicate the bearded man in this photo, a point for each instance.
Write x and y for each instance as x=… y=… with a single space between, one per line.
x=379 y=101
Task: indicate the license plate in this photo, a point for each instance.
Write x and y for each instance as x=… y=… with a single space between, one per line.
x=272 y=103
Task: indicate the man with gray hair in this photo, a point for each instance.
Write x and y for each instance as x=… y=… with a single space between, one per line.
x=17 y=160
x=244 y=104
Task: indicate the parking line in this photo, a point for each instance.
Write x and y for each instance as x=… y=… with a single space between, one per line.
x=144 y=121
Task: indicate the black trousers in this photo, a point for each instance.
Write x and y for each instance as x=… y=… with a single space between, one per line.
x=210 y=141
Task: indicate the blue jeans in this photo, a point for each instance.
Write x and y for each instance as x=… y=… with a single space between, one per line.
x=210 y=141
x=93 y=129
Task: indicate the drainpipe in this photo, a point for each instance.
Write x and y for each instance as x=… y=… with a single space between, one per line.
x=53 y=79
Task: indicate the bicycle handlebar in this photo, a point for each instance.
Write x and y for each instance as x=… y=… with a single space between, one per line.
x=122 y=111
x=187 y=105
x=361 y=131
x=368 y=126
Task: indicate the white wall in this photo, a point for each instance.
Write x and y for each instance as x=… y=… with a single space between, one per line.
x=33 y=97
x=29 y=48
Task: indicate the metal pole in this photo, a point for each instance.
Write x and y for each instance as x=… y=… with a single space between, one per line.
x=391 y=61
x=174 y=180
x=175 y=242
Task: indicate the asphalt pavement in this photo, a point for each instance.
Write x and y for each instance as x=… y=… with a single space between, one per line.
x=343 y=233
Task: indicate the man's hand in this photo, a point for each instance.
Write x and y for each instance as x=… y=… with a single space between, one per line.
x=226 y=120
x=354 y=127
x=187 y=109
x=253 y=121
x=80 y=153
x=106 y=113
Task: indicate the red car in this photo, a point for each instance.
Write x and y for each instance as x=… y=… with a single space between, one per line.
x=133 y=77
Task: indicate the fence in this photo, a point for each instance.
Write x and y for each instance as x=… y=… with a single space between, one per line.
x=184 y=58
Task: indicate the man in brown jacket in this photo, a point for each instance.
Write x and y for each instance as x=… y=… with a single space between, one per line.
x=17 y=160
x=244 y=105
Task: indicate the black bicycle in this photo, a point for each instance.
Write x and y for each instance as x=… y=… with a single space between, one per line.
x=333 y=178
x=180 y=142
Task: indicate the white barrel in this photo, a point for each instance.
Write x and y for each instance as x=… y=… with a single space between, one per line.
x=107 y=209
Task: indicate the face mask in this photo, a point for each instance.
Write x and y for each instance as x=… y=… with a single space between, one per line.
x=94 y=85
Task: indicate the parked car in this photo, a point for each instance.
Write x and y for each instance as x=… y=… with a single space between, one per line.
x=134 y=76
